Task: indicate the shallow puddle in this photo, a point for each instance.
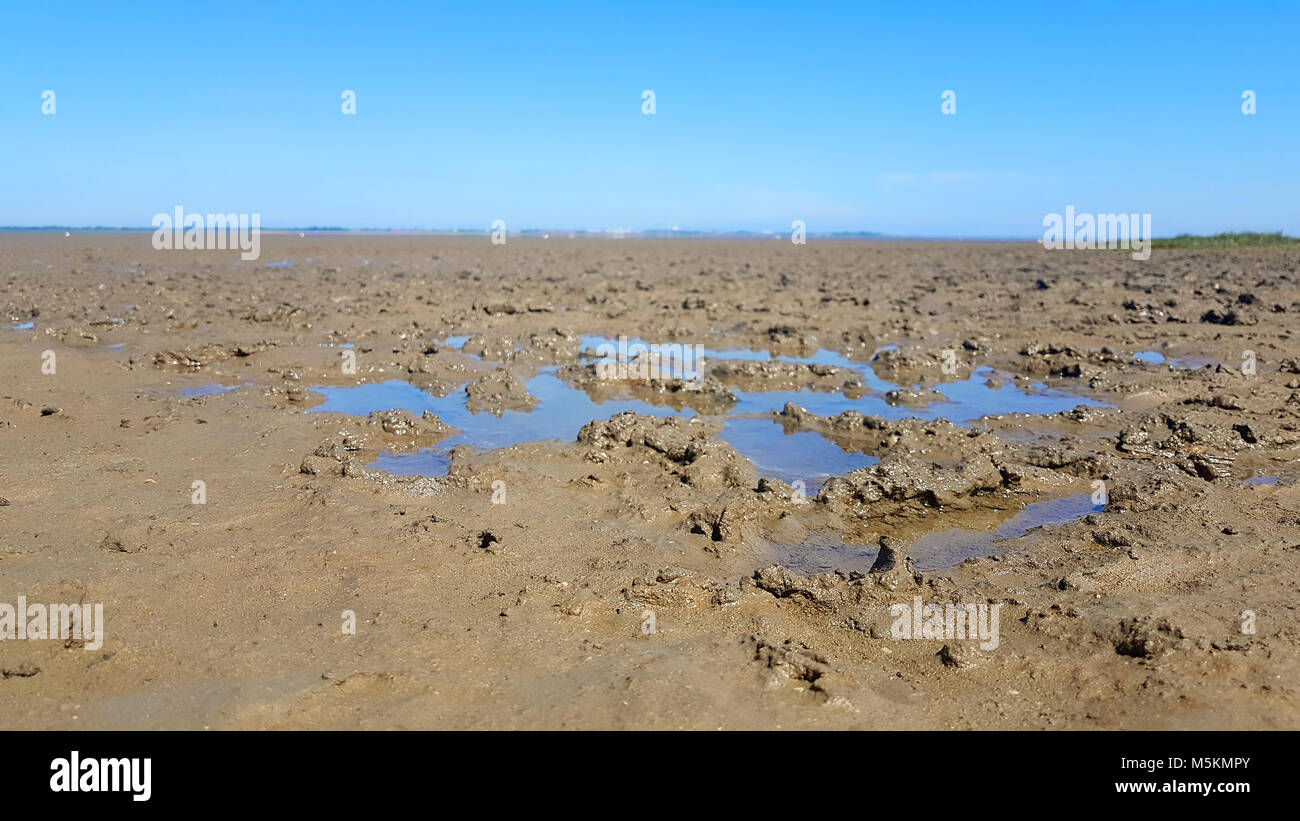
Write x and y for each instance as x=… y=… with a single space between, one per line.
x=210 y=389
x=560 y=413
x=822 y=554
x=1190 y=363
x=592 y=342
x=938 y=549
x=804 y=456
x=423 y=462
x=945 y=548
x=1178 y=363
x=960 y=402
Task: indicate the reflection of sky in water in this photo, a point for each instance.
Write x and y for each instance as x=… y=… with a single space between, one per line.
x=821 y=357
x=801 y=456
x=1178 y=363
x=936 y=550
x=965 y=401
x=560 y=412
x=677 y=361
x=945 y=548
x=1261 y=479
x=423 y=462
x=805 y=455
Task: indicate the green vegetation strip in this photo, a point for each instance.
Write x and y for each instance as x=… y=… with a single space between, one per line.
x=1246 y=239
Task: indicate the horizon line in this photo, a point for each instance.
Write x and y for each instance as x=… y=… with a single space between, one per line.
x=559 y=233
x=598 y=233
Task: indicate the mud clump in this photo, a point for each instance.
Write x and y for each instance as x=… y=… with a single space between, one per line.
x=678 y=588
x=852 y=430
x=715 y=523
x=552 y=345
x=726 y=518
x=899 y=484
x=1198 y=449
x=913 y=366
x=686 y=446
x=497 y=393
x=790 y=660
x=346 y=452
x=749 y=375
x=486 y=541
x=676 y=439
x=402 y=423
x=1145 y=637
x=400 y=431
x=194 y=359
x=893 y=568
x=916 y=398
x=958 y=656
x=119 y=543
x=515 y=307
x=1067 y=361
x=1228 y=316
x=24 y=670
x=890 y=556
x=1160 y=488
x=490 y=348
x=337 y=455
x=704 y=393
x=821 y=590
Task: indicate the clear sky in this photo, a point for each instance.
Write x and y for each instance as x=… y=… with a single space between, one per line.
x=765 y=113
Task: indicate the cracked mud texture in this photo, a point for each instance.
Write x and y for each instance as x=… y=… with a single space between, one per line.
x=537 y=611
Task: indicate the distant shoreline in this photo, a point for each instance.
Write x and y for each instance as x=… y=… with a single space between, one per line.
x=1244 y=239
x=531 y=233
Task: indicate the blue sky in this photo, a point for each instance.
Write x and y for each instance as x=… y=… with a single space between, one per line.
x=766 y=113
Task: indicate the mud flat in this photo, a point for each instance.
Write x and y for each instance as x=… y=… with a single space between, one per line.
x=412 y=434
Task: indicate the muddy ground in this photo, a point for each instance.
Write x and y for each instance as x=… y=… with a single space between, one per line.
x=535 y=612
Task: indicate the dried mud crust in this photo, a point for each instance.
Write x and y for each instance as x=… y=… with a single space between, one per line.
x=626 y=578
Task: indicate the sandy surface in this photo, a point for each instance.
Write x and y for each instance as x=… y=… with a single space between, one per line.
x=530 y=613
